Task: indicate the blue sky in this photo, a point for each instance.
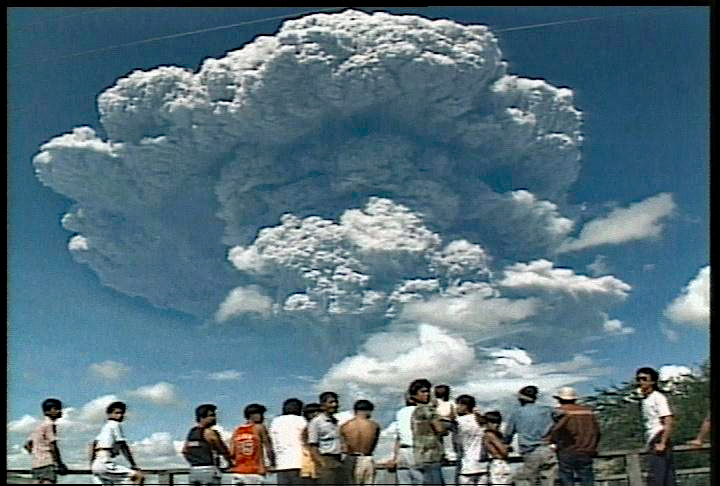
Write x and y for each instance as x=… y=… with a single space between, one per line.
x=170 y=297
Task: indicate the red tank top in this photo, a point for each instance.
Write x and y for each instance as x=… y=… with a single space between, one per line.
x=247 y=451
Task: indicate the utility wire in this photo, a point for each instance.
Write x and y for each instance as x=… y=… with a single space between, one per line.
x=276 y=17
x=193 y=32
x=584 y=19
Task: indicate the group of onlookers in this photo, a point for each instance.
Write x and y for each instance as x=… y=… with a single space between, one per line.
x=436 y=441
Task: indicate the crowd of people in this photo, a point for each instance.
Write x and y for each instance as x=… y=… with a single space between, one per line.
x=309 y=446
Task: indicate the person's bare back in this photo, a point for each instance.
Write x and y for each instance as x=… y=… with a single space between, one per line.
x=360 y=435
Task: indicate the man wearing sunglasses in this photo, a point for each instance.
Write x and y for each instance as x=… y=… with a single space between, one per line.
x=658 y=428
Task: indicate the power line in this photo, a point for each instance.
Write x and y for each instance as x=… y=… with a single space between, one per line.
x=193 y=32
x=575 y=21
x=276 y=17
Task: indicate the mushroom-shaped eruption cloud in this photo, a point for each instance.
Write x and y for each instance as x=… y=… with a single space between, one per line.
x=315 y=120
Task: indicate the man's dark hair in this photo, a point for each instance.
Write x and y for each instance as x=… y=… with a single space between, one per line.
x=494 y=417
x=310 y=409
x=115 y=406
x=254 y=408
x=202 y=411
x=328 y=394
x=530 y=392
x=51 y=403
x=292 y=406
x=654 y=375
x=467 y=400
x=442 y=392
x=363 y=406
x=418 y=384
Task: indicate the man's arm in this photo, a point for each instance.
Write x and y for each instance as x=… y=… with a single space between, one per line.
x=313 y=440
x=551 y=435
x=267 y=443
x=495 y=446
x=216 y=442
x=343 y=435
x=510 y=429
x=667 y=422
x=702 y=433
x=55 y=451
x=315 y=453
x=376 y=438
x=125 y=450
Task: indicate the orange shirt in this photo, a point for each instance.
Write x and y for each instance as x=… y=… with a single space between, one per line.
x=247 y=451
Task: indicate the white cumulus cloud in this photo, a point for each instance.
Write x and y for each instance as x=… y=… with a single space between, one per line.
x=226 y=375
x=109 y=370
x=638 y=221
x=161 y=393
x=394 y=359
x=692 y=306
x=543 y=275
x=617 y=327
x=242 y=300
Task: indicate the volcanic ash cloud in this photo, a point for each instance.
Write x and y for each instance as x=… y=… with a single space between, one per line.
x=314 y=120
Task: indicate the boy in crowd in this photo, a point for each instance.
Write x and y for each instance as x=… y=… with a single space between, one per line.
x=286 y=436
x=658 y=429
x=470 y=430
x=308 y=469
x=203 y=446
x=249 y=444
x=42 y=444
x=496 y=450
x=110 y=443
x=360 y=436
x=447 y=411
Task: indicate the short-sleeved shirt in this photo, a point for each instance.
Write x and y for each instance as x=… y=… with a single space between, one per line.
x=325 y=433
x=42 y=437
x=428 y=446
x=403 y=418
x=446 y=409
x=286 y=436
x=471 y=439
x=109 y=436
x=654 y=407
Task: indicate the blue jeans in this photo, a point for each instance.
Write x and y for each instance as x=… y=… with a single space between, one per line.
x=432 y=474
x=409 y=477
x=573 y=467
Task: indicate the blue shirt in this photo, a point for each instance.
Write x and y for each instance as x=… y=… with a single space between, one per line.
x=531 y=422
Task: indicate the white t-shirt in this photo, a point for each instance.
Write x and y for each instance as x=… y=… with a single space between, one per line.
x=110 y=434
x=404 y=425
x=654 y=406
x=445 y=408
x=286 y=436
x=471 y=439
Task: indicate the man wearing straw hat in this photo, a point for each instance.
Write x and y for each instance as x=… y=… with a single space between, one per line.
x=576 y=434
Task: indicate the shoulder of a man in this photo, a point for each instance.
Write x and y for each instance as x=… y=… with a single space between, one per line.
x=425 y=412
x=659 y=400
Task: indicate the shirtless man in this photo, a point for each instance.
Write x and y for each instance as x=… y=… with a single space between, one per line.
x=360 y=436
